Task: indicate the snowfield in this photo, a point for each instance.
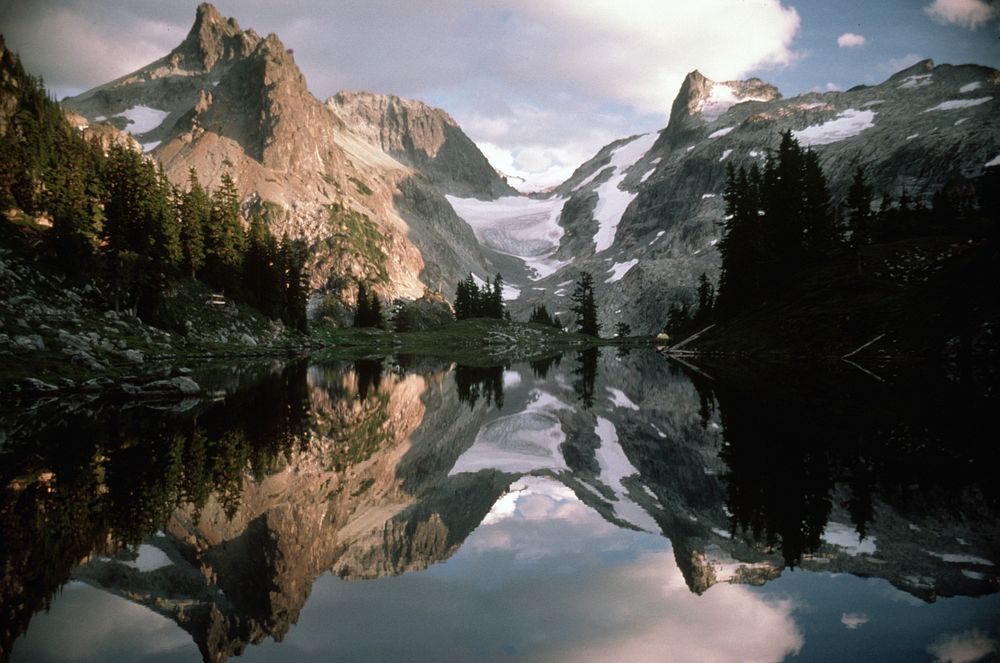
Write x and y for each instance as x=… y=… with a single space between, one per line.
x=620 y=269
x=955 y=104
x=969 y=87
x=143 y=119
x=721 y=132
x=846 y=125
x=518 y=226
x=915 y=81
x=612 y=201
x=615 y=466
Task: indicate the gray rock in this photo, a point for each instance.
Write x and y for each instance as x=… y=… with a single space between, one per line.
x=134 y=356
x=248 y=340
x=178 y=385
x=34 y=384
x=30 y=342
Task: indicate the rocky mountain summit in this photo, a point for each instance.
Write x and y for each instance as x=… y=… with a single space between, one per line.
x=229 y=101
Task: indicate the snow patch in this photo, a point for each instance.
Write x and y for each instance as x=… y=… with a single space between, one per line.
x=690 y=147
x=721 y=132
x=725 y=155
x=849 y=123
x=648 y=173
x=756 y=153
x=519 y=443
x=969 y=87
x=612 y=201
x=995 y=161
x=873 y=102
x=915 y=81
x=518 y=226
x=620 y=399
x=149 y=147
x=707 y=195
x=844 y=536
x=620 y=269
x=143 y=119
x=511 y=379
x=615 y=466
x=960 y=121
x=150 y=558
x=912 y=136
x=955 y=104
x=960 y=559
x=590 y=178
x=721 y=98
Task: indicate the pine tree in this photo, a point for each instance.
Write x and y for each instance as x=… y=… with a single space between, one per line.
x=859 y=209
x=362 y=310
x=195 y=215
x=706 y=297
x=495 y=308
x=224 y=237
x=584 y=306
x=622 y=330
x=296 y=284
x=820 y=237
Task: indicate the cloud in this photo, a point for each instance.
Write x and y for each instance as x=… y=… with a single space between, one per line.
x=850 y=40
x=965 y=13
x=965 y=647
x=854 y=620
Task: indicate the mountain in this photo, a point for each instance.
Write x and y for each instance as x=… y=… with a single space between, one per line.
x=357 y=178
x=644 y=214
x=392 y=192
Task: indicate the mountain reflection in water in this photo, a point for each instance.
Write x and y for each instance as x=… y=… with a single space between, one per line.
x=593 y=506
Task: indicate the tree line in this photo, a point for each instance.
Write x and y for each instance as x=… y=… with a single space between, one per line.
x=115 y=216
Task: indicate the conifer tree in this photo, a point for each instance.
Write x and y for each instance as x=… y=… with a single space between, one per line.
x=859 y=209
x=820 y=237
x=362 y=309
x=706 y=296
x=584 y=306
x=224 y=237
x=195 y=215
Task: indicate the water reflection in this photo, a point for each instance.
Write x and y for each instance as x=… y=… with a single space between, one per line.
x=619 y=501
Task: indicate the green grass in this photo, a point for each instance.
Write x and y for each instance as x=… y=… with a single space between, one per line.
x=479 y=341
x=362 y=188
x=356 y=234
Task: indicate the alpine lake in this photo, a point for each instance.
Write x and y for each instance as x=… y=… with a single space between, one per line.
x=602 y=505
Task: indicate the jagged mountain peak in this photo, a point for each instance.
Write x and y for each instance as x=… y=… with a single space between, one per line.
x=701 y=99
x=212 y=38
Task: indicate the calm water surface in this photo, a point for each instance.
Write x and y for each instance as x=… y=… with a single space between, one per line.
x=598 y=506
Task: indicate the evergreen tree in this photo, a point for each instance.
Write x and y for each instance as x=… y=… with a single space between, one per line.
x=622 y=330
x=820 y=237
x=195 y=215
x=262 y=277
x=362 y=310
x=296 y=284
x=706 y=297
x=224 y=237
x=859 y=209
x=584 y=306
x=495 y=307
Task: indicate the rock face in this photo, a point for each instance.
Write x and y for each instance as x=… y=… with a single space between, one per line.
x=229 y=100
x=424 y=138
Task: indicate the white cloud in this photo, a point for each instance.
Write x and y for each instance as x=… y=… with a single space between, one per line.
x=849 y=40
x=965 y=13
x=854 y=620
x=965 y=647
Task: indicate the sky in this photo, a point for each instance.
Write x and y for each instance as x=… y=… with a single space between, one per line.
x=539 y=86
